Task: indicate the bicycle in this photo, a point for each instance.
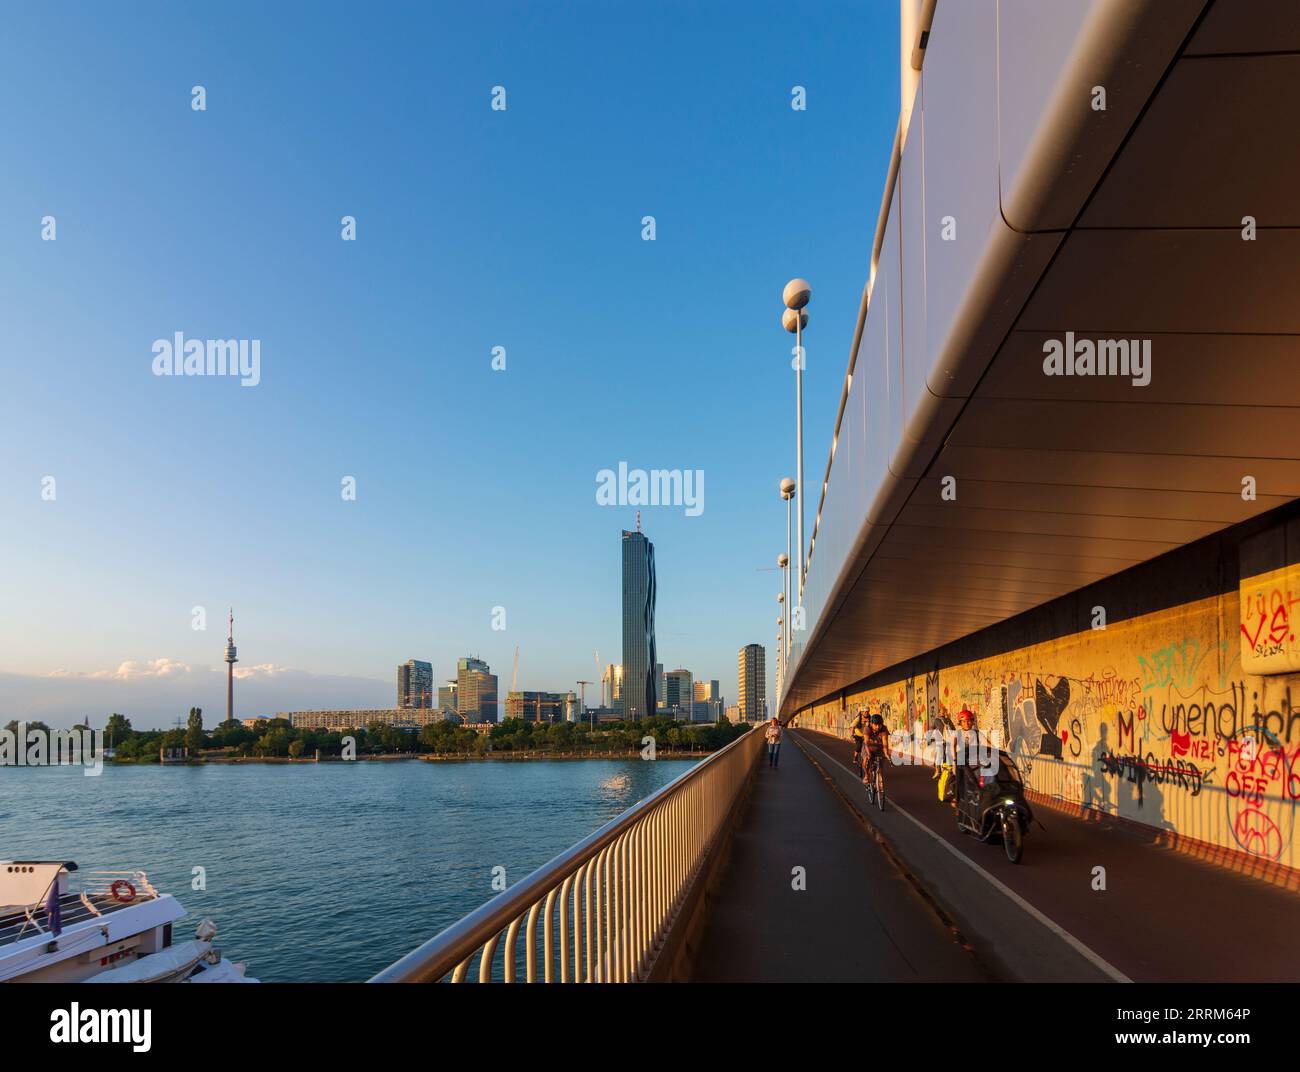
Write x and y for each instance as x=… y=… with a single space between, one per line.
x=874 y=780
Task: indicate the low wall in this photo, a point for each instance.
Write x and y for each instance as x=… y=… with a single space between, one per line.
x=1151 y=719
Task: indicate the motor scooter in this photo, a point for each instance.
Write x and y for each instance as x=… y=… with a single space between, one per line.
x=991 y=803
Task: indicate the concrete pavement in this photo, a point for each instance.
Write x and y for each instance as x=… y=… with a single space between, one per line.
x=1163 y=916
x=859 y=918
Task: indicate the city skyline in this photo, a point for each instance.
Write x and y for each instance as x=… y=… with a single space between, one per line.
x=176 y=494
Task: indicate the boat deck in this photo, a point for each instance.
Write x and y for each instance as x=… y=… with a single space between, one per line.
x=72 y=910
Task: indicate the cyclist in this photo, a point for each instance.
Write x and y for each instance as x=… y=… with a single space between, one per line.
x=859 y=725
x=875 y=742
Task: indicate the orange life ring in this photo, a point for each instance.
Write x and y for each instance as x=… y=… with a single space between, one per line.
x=115 y=891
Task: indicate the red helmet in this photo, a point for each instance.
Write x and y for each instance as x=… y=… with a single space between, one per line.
x=965 y=714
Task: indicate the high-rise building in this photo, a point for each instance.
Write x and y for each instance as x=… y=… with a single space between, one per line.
x=678 y=693
x=611 y=687
x=414 y=684
x=639 y=685
x=476 y=691
x=537 y=706
x=708 y=703
x=752 y=675
x=708 y=690
x=447 y=696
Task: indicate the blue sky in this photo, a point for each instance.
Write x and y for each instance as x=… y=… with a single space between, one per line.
x=476 y=228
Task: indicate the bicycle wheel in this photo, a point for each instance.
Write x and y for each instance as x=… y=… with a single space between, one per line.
x=1011 y=838
x=880 y=788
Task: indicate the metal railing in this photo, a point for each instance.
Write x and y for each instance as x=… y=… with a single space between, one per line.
x=603 y=910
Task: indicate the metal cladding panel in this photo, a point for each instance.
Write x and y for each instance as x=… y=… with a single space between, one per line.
x=1210 y=115
x=1254 y=26
x=1130 y=427
x=1054 y=145
x=877 y=377
x=1064 y=481
x=1127 y=283
x=1220 y=508
x=958 y=98
x=1092 y=468
x=1240 y=370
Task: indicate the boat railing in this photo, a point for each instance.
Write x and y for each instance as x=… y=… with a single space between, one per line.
x=603 y=910
x=96 y=894
x=116 y=884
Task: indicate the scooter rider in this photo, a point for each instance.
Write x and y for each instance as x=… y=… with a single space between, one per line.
x=964 y=751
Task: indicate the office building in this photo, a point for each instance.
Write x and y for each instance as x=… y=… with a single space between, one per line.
x=408 y=718
x=537 y=706
x=639 y=685
x=476 y=691
x=415 y=684
x=447 y=697
x=752 y=674
x=611 y=687
x=678 y=693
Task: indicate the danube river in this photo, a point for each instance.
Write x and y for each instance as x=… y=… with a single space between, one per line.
x=320 y=872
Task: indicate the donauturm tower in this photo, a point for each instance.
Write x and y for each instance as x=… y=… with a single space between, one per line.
x=230 y=669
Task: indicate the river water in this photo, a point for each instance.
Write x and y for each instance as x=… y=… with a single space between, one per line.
x=320 y=872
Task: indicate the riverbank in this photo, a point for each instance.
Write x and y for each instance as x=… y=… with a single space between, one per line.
x=446 y=757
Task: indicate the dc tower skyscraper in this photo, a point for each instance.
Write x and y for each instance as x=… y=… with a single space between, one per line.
x=230 y=668
x=639 y=656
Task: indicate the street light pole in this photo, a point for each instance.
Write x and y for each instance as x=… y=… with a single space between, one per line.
x=787 y=493
x=795 y=318
x=780 y=641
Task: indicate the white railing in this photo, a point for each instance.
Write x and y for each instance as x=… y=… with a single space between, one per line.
x=603 y=910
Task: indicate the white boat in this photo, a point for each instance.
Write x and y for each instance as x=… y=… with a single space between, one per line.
x=113 y=927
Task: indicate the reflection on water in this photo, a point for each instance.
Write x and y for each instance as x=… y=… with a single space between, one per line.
x=326 y=871
x=616 y=786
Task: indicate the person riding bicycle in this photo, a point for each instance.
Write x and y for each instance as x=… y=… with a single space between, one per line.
x=859 y=726
x=875 y=743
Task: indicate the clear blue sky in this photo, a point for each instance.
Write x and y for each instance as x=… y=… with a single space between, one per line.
x=476 y=229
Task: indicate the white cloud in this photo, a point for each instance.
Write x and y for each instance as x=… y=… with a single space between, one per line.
x=259 y=670
x=133 y=671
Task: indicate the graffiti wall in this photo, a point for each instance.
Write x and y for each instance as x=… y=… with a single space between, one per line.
x=1152 y=719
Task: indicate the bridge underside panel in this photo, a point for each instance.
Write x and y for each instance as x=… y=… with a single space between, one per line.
x=1012 y=480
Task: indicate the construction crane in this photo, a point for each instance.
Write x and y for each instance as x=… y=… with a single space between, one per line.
x=582 y=686
x=514 y=682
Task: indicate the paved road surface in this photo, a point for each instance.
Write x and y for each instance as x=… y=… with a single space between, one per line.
x=1164 y=916
x=858 y=920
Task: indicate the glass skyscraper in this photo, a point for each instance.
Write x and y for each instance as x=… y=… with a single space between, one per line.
x=639 y=685
x=414 y=684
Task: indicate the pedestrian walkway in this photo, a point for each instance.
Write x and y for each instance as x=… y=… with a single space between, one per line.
x=857 y=917
x=1162 y=916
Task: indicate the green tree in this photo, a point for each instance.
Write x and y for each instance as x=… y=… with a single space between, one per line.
x=195 y=738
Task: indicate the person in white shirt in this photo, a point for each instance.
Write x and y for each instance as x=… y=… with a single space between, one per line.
x=774 y=743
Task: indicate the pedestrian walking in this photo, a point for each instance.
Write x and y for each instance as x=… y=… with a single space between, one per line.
x=774 y=743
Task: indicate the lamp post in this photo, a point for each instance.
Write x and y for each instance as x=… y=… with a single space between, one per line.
x=780 y=642
x=780 y=626
x=795 y=318
x=787 y=493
